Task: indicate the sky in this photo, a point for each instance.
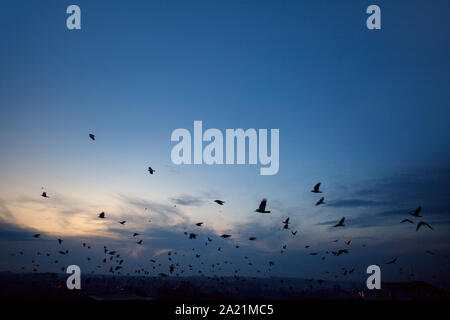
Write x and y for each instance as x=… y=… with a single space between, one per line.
x=364 y=112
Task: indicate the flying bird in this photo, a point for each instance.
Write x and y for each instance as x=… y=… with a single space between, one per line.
x=122 y=222
x=60 y=241
x=340 y=223
x=192 y=235
x=37 y=235
x=135 y=234
x=416 y=212
x=262 y=207
x=316 y=188
x=102 y=215
x=406 y=220
x=219 y=202
x=199 y=224
x=393 y=261
x=421 y=223
x=139 y=242
x=252 y=238
x=150 y=170
x=321 y=201
x=286 y=221
x=226 y=236
x=294 y=232
x=92 y=136
x=339 y=252
x=44 y=194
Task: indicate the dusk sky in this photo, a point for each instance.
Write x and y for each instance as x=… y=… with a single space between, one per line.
x=364 y=112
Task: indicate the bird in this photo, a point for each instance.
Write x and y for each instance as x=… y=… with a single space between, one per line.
x=340 y=223
x=135 y=234
x=102 y=215
x=92 y=136
x=271 y=263
x=37 y=235
x=192 y=235
x=294 y=232
x=316 y=188
x=150 y=170
x=225 y=236
x=406 y=220
x=262 y=207
x=421 y=223
x=122 y=222
x=219 y=202
x=44 y=195
x=252 y=238
x=139 y=242
x=416 y=212
x=321 y=201
x=348 y=242
x=60 y=241
x=199 y=224
x=339 y=252
x=286 y=221
x=430 y=252
x=393 y=261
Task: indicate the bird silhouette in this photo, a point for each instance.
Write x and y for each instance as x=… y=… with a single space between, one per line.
x=294 y=232
x=219 y=202
x=44 y=194
x=262 y=207
x=102 y=215
x=91 y=136
x=139 y=242
x=192 y=235
x=225 y=236
x=421 y=223
x=150 y=170
x=135 y=234
x=316 y=188
x=122 y=222
x=340 y=223
x=407 y=220
x=339 y=252
x=393 y=261
x=416 y=212
x=321 y=201
x=199 y=224
x=252 y=238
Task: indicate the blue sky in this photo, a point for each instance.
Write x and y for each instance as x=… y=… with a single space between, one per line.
x=357 y=110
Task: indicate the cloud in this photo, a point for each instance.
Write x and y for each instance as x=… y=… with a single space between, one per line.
x=187 y=200
x=354 y=203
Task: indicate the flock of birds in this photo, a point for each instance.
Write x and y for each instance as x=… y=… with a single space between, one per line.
x=114 y=262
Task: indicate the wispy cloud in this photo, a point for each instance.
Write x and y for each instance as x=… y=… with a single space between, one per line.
x=187 y=200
